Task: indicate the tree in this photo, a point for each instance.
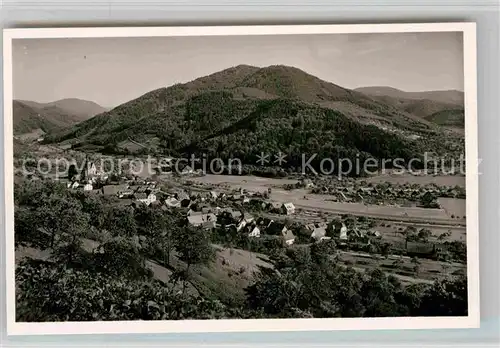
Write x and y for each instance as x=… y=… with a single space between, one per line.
x=159 y=227
x=72 y=171
x=193 y=245
x=58 y=215
x=398 y=262
x=445 y=298
x=71 y=237
x=416 y=264
x=424 y=234
x=385 y=249
x=120 y=221
x=95 y=208
x=122 y=257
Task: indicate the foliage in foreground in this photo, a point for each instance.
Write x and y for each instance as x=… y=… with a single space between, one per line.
x=308 y=283
x=47 y=292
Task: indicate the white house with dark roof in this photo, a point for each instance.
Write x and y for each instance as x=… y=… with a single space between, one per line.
x=255 y=232
x=288 y=236
x=288 y=208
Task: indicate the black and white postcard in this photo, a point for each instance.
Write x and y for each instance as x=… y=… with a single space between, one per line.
x=245 y=178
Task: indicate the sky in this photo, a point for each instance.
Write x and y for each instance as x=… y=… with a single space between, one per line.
x=111 y=71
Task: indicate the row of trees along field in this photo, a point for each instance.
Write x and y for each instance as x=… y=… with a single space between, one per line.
x=98 y=269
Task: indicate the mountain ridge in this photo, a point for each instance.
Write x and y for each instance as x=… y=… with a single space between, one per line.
x=232 y=111
x=29 y=116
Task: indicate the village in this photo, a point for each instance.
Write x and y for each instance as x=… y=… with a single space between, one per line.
x=231 y=214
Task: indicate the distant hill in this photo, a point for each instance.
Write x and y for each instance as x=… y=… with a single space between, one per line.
x=246 y=110
x=448 y=118
x=49 y=117
x=422 y=104
x=447 y=96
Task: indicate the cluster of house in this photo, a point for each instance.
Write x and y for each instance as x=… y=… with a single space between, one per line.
x=88 y=178
x=387 y=192
x=145 y=193
x=208 y=217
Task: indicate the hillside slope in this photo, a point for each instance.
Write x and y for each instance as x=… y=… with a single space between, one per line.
x=27 y=119
x=50 y=117
x=447 y=96
x=78 y=108
x=448 y=118
x=422 y=104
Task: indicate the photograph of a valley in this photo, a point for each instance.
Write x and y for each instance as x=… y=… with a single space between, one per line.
x=239 y=177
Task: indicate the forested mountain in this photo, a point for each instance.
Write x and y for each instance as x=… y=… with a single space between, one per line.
x=245 y=110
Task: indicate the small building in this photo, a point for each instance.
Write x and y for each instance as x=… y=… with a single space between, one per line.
x=75 y=185
x=125 y=193
x=307 y=183
x=206 y=221
x=141 y=189
x=181 y=195
x=144 y=198
x=192 y=212
x=236 y=214
x=255 y=232
x=275 y=206
x=187 y=170
x=288 y=208
x=114 y=190
x=172 y=202
x=420 y=249
x=241 y=225
x=276 y=228
x=214 y=195
x=343 y=232
x=319 y=233
x=288 y=237
x=88 y=187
